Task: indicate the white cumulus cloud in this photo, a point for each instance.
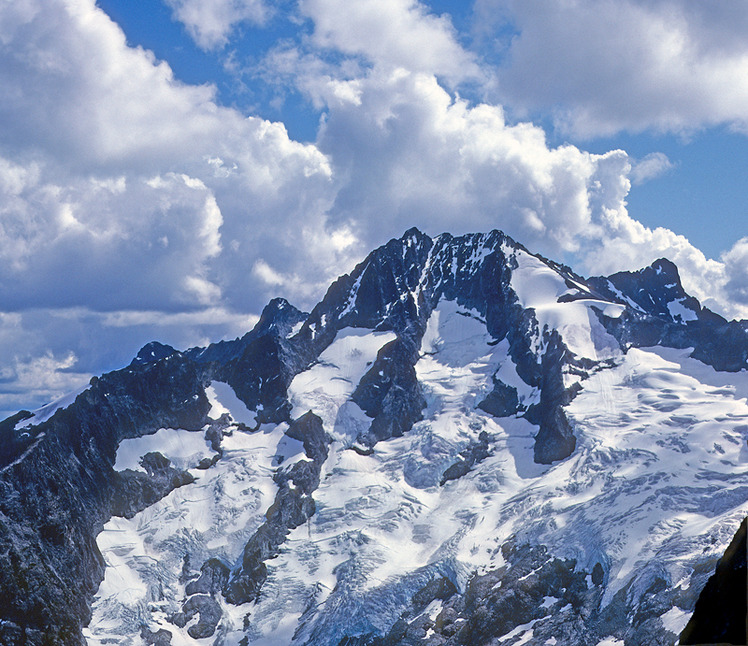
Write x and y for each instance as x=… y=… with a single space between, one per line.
x=649 y=167
x=392 y=33
x=610 y=65
x=410 y=154
x=210 y=22
x=736 y=265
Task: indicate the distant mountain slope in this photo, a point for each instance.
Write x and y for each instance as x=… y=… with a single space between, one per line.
x=462 y=443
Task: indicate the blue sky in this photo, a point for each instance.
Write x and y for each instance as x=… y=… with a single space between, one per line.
x=166 y=167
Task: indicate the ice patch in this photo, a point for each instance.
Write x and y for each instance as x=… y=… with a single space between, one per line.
x=185 y=449
x=680 y=313
x=507 y=373
x=623 y=297
x=350 y=305
x=675 y=620
x=223 y=399
x=45 y=412
x=613 y=310
x=524 y=632
x=295 y=329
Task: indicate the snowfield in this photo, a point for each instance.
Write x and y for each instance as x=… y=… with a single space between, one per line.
x=539 y=287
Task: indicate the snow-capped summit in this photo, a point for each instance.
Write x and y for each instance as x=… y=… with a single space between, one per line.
x=462 y=443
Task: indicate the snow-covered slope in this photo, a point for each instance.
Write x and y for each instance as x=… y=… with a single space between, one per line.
x=463 y=443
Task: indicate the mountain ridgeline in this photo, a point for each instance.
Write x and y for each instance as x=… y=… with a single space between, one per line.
x=463 y=442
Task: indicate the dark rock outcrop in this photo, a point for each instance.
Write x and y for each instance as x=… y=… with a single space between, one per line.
x=308 y=430
x=502 y=401
x=389 y=393
x=555 y=439
x=202 y=599
x=208 y=611
x=135 y=490
x=473 y=454
x=534 y=589
x=721 y=612
x=159 y=638
x=55 y=498
x=213 y=576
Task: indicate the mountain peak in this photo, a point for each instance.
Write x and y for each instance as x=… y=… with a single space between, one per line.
x=279 y=315
x=153 y=351
x=666 y=267
x=462 y=442
x=414 y=236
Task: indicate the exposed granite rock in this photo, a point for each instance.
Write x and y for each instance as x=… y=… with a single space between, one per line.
x=495 y=603
x=389 y=393
x=202 y=599
x=308 y=430
x=153 y=351
x=292 y=507
x=159 y=638
x=135 y=490
x=555 y=439
x=213 y=576
x=209 y=612
x=473 y=454
x=381 y=292
x=502 y=401
x=13 y=443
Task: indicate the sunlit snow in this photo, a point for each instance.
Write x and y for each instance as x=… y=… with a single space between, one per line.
x=185 y=449
x=223 y=399
x=326 y=387
x=680 y=312
x=45 y=412
x=539 y=287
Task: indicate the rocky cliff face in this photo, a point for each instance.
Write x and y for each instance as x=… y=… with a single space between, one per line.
x=463 y=442
x=721 y=613
x=59 y=487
